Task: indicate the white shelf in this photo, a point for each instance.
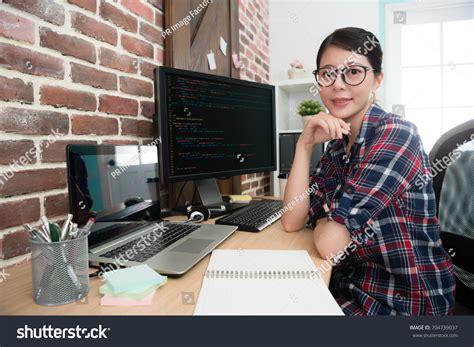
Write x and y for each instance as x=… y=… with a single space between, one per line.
x=288 y=95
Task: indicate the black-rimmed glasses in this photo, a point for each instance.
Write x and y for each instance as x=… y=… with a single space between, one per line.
x=352 y=75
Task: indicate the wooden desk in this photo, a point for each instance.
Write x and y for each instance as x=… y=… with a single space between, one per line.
x=16 y=290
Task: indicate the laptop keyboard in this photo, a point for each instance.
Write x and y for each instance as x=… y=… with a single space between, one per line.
x=153 y=245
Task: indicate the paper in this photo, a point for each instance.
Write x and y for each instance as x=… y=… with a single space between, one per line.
x=133 y=278
x=133 y=294
x=212 y=61
x=264 y=282
x=240 y=199
x=235 y=59
x=223 y=46
x=112 y=300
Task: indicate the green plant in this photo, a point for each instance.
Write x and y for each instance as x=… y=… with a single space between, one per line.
x=309 y=108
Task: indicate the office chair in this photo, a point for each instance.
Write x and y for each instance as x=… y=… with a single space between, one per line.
x=454 y=189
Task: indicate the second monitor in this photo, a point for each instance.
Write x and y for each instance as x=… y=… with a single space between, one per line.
x=213 y=126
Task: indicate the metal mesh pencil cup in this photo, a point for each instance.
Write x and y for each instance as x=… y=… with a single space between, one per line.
x=60 y=271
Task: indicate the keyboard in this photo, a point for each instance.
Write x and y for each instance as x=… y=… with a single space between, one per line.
x=171 y=234
x=254 y=217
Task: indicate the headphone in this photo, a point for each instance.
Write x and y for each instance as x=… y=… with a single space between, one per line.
x=197 y=214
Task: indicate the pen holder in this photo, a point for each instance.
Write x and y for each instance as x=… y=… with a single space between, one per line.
x=60 y=271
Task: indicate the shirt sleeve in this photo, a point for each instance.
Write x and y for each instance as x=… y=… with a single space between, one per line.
x=317 y=198
x=389 y=166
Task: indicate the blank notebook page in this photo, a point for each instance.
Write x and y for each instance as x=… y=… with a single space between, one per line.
x=264 y=282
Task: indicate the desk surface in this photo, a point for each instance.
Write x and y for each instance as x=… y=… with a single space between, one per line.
x=177 y=297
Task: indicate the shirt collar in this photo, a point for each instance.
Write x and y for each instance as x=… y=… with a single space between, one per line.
x=375 y=113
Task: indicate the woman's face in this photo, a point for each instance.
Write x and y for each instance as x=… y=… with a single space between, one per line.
x=341 y=99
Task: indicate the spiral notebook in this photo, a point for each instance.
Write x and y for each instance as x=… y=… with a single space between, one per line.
x=264 y=282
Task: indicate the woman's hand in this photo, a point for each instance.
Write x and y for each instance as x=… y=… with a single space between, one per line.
x=323 y=127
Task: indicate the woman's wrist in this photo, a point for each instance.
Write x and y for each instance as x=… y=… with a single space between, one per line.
x=305 y=147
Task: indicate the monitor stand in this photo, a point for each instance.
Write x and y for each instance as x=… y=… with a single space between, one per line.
x=209 y=192
x=211 y=198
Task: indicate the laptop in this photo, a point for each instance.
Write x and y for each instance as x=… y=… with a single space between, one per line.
x=118 y=186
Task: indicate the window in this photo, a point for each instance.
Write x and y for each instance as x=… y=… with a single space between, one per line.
x=430 y=65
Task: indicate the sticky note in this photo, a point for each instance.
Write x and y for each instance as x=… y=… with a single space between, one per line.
x=139 y=294
x=235 y=59
x=212 y=61
x=133 y=278
x=223 y=46
x=111 y=300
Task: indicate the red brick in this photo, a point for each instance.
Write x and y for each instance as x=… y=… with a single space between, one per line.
x=139 y=9
x=254 y=184
x=117 y=61
x=136 y=46
x=92 y=28
x=94 y=125
x=32 y=122
x=245 y=186
x=16 y=28
x=135 y=86
x=151 y=33
x=15 y=89
x=119 y=18
x=61 y=97
x=90 y=5
x=159 y=19
x=148 y=108
x=48 y=10
x=13 y=150
x=67 y=45
x=140 y=128
x=56 y=205
x=19 y=212
x=30 y=62
x=15 y=244
x=147 y=69
x=159 y=55
x=157 y=3
x=56 y=152
x=117 y=105
x=31 y=181
x=93 y=77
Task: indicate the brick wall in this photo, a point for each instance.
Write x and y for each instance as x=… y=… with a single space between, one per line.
x=255 y=57
x=80 y=71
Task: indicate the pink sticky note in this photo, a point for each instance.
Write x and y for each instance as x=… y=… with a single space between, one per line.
x=111 y=300
x=235 y=59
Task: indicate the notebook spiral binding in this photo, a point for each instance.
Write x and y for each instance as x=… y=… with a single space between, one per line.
x=263 y=274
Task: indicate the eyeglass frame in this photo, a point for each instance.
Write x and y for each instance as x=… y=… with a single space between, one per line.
x=341 y=73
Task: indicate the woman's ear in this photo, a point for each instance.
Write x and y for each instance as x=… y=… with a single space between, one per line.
x=378 y=80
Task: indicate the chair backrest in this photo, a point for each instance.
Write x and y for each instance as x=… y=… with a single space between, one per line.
x=452 y=161
x=444 y=154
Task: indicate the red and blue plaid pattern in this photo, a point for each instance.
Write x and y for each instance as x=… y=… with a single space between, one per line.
x=395 y=263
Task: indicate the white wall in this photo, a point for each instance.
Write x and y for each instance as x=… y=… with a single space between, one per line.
x=297 y=29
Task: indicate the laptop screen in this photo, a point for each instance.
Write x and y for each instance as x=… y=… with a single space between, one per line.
x=112 y=183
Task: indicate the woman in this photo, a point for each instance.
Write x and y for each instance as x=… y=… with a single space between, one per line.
x=370 y=215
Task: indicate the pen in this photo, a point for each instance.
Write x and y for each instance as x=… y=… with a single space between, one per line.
x=45 y=222
x=65 y=229
x=88 y=226
x=55 y=232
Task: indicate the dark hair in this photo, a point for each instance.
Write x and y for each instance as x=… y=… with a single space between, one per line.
x=357 y=40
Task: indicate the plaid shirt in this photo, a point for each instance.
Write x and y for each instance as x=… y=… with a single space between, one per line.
x=395 y=263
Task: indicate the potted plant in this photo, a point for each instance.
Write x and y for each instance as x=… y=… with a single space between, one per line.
x=296 y=70
x=309 y=108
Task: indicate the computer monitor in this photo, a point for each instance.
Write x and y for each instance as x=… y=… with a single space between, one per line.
x=212 y=126
x=113 y=182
